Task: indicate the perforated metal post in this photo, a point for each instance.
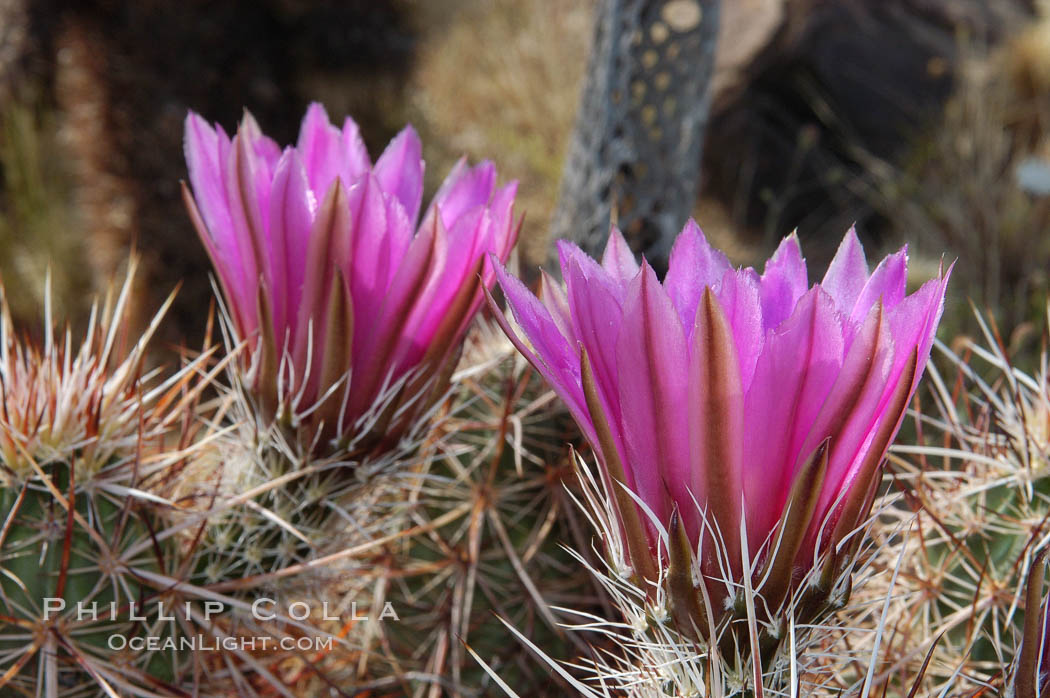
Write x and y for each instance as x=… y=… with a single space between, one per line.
x=636 y=145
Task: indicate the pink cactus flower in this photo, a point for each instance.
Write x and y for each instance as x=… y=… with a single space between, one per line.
x=351 y=308
x=721 y=395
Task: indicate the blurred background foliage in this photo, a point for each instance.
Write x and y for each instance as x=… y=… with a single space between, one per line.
x=923 y=121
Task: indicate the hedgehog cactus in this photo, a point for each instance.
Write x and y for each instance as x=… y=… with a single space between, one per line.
x=344 y=322
x=365 y=452
x=976 y=490
x=740 y=419
x=78 y=528
x=267 y=518
x=267 y=508
x=115 y=541
x=473 y=530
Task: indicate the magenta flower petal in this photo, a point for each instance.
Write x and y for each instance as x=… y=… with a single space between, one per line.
x=783 y=402
x=320 y=148
x=438 y=282
x=739 y=295
x=265 y=150
x=464 y=189
x=595 y=317
x=618 y=259
x=552 y=295
x=850 y=413
x=693 y=266
x=504 y=230
x=355 y=155
x=596 y=300
x=317 y=236
x=238 y=178
x=329 y=227
x=783 y=282
x=887 y=284
x=550 y=353
x=913 y=322
x=368 y=262
x=847 y=274
x=202 y=158
x=400 y=170
x=206 y=149
x=373 y=344
x=291 y=217
x=726 y=391
x=569 y=253
x=448 y=275
x=652 y=390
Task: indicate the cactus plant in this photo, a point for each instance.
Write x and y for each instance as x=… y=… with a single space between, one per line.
x=740 y=421
x=489 y=516
x=79 y=532
x=973 y=495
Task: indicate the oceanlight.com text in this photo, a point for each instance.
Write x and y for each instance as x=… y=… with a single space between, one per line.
x=230 y=644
